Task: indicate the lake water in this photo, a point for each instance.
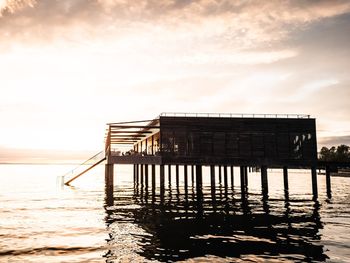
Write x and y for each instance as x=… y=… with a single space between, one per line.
x=42 y=221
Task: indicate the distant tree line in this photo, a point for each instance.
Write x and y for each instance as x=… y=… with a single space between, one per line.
x=337 y=154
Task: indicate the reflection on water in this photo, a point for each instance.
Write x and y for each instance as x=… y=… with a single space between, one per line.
x=217 y=224
x=40 y=222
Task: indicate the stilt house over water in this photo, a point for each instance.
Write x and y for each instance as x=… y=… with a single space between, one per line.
x=270 y=140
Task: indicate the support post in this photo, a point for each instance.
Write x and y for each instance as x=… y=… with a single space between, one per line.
x=177 y=175
x=285 y=178
x=141 y=175
x=153 y=179
x=161 y=180
x=186 y=181
x=232 y=176
x=134 y=173
x=169 y=175
x=314 y=182
x=199 y=181
x=185 y=178
x=109 y=176
x=146 y=177
x=243 y=187
x=225 y=177
x=220 y=174
x=264 y=181
x=328 y=182
x=137 y=174
x=246 y=176
x=212 y=179
x=192 y=175
x=109 y=172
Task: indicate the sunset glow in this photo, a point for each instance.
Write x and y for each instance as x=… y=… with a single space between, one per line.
x=69 y=67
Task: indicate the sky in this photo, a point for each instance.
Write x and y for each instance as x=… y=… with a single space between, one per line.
x=68 y=67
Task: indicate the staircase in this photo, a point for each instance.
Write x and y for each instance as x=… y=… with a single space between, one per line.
x=84 y=167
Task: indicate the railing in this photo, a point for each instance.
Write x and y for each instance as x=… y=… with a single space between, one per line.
x=234 y=115
x=82 y=167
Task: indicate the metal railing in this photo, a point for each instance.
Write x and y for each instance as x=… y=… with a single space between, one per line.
x=82 y=167
x=234 y=115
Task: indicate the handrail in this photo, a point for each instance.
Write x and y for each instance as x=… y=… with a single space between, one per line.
x=86 y=170
x=92 y=160
x=235 y=115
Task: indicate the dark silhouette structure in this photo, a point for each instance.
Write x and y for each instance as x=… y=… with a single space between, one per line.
x=225 y=140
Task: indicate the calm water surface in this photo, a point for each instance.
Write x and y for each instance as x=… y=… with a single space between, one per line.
x=41 y=221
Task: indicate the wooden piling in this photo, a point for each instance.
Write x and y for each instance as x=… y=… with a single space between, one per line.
x=109 y=175
x=199 y=180
x=242 y=176
x=141 y=175
x=146 y=177
x=192 y=175
x=109 y=178
x=137 y=174
x=212 y=178
x=285 y=178
x=328 y=182
x=314 y=182
x=186 y=181
x=153 y=178
x=264 y=180
x=246 y=176
x=177 y=175
x=225 y=177
x=169 y=174
x=161 y=179
x=232 y=176
x=185 y=177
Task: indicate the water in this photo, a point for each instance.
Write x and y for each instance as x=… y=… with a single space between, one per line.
x=41 y=221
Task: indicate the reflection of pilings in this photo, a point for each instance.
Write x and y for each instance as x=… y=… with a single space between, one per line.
x=199 y=181
x=232 y=176
x=177 y=175
x=161 y=180
x=109 y=174
x=264 y=181
x=314 y=182
x=153 y=179
x=328 y=182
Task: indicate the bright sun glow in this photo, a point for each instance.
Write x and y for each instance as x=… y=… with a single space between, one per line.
x=69 y=67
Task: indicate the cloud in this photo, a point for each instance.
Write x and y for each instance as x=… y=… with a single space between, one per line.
x=240 y=24
x=334 y=141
